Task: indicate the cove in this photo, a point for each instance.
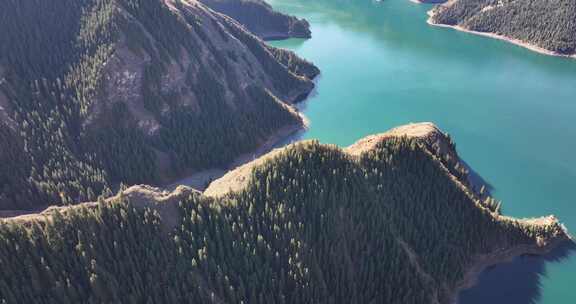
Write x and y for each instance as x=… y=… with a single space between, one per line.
x=512 y=113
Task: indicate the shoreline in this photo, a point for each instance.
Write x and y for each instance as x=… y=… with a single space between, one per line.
x=493 y=259
x=514 y=41
x=201 y=179
x=279 y=36
x=197 y=181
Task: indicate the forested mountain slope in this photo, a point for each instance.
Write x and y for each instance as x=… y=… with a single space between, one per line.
x=546 y=24
x=389 y=220
x=98 y=92
x=259 y=17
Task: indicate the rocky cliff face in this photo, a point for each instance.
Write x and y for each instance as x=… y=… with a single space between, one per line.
x=259 y=17
x=133 y=91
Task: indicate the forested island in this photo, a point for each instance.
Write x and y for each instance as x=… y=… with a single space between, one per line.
x=545 y=26
x=95 y=93
x=391 y=219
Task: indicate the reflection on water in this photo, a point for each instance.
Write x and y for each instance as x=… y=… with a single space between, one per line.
x=516 y=282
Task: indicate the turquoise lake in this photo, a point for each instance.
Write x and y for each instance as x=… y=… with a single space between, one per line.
x=512 y=113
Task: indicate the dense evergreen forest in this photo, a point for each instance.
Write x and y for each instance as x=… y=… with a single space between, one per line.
x=98 y=92
x=313 y=225
x=259 y=17
x=549 y=24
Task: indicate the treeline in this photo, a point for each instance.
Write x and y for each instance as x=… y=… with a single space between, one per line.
x=312 y=226
x=549 y=24
x=72 y=143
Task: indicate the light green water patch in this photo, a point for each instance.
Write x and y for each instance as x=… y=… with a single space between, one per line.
x=512 y=112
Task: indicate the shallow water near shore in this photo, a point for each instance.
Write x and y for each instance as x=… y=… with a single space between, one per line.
x=512 y=113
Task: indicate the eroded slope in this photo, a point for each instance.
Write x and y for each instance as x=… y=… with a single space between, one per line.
x=132 y=91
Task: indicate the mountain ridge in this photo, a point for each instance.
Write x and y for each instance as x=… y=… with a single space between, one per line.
x=311 y=214
x=426 y=133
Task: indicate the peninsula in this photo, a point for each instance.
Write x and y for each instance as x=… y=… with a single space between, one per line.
x=307 y=223
x=546 y=27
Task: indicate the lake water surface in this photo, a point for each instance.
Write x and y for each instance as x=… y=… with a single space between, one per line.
x=512 y=113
